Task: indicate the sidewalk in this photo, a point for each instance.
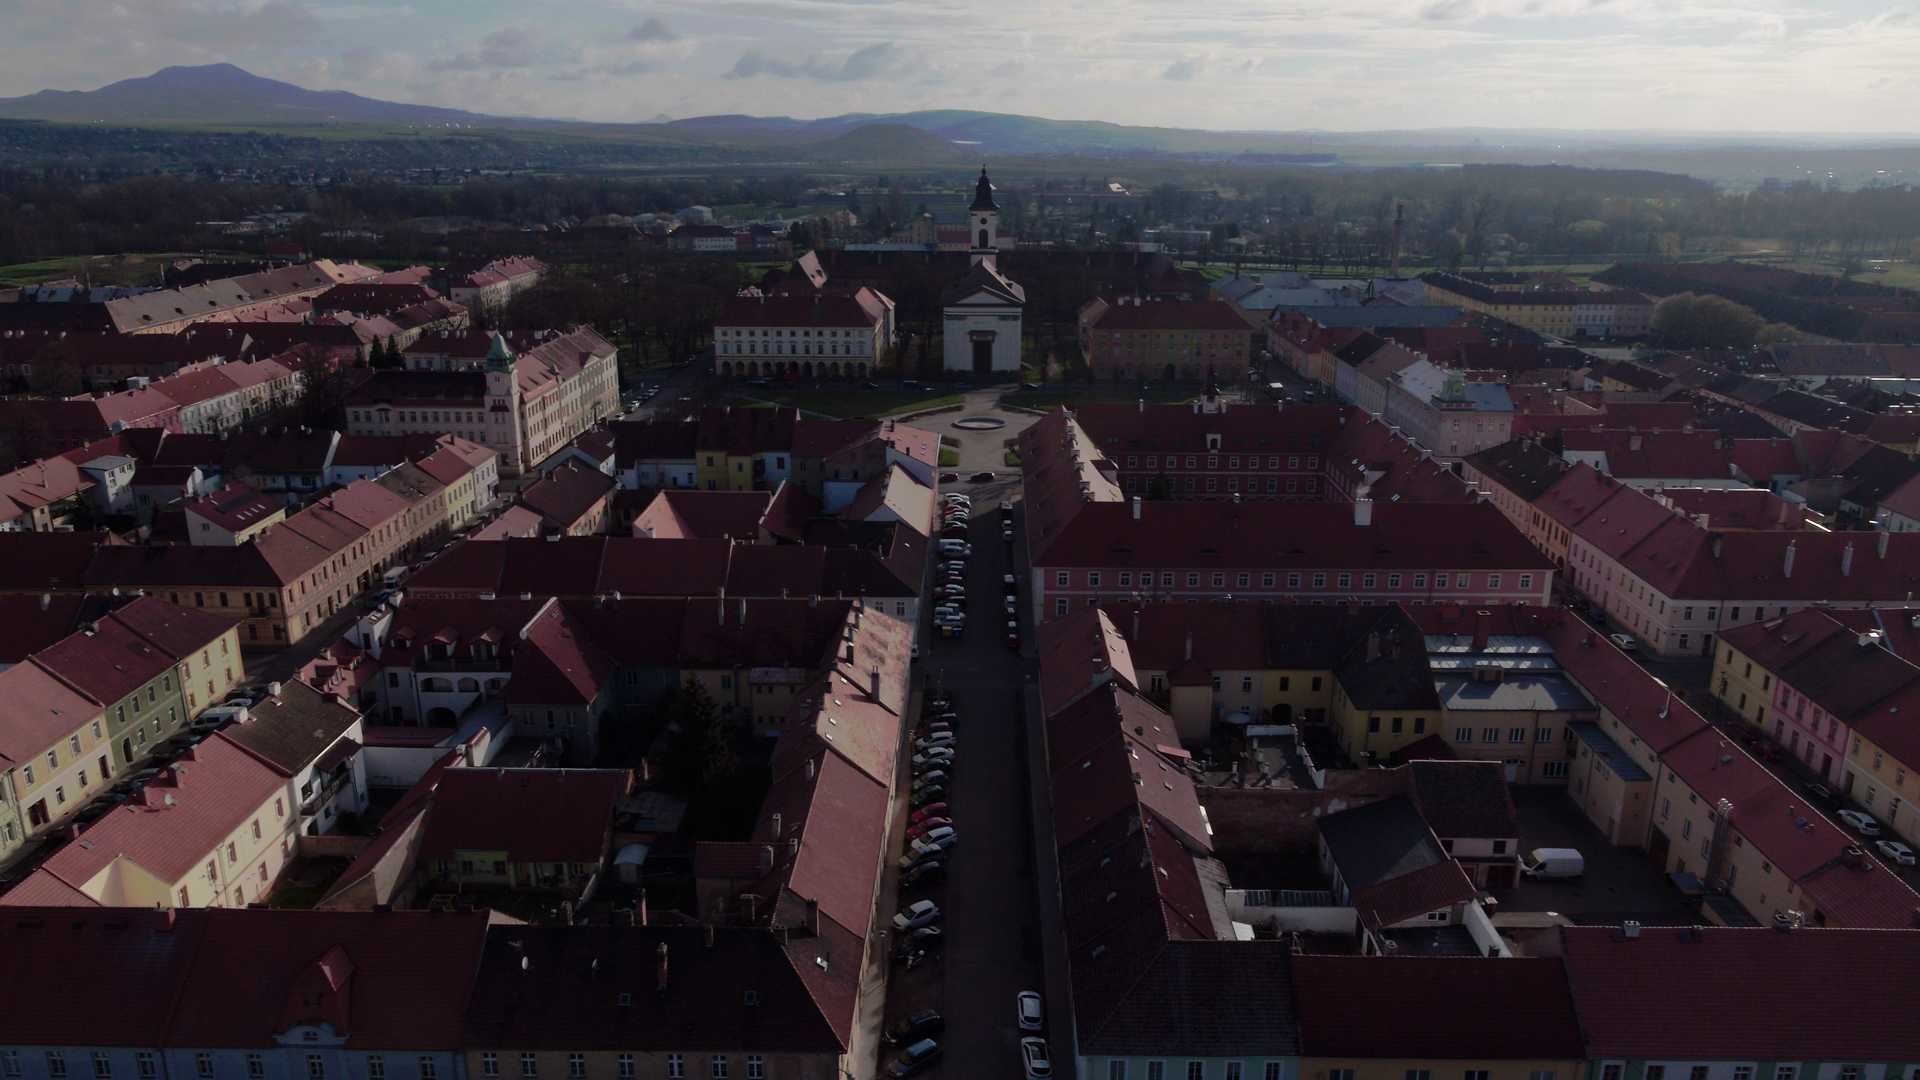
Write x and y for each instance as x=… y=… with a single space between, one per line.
x=1061 y=1024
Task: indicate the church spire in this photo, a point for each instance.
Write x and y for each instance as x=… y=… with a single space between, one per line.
x=983 y=193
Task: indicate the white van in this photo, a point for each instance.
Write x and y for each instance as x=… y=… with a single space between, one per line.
x=955 y=549
x=219 y=716
x=1553 y=862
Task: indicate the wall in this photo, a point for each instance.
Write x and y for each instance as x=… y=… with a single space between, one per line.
x=1442 y=1069
x=1174 y=1067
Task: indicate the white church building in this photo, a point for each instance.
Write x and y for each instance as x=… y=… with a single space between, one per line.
x=981 y=327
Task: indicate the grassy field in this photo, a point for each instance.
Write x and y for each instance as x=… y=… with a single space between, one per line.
x=130 y=269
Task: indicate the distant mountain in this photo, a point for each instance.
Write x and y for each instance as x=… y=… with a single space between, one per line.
x=900 y=143
x=225 y=94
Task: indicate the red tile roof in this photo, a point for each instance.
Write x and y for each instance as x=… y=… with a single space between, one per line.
x=214 y=788
x=390 y=980
x=565 y=495
x=1281 y=536
x=102 y=977
x=1080 y=653
x=823 y=309
x=1662 y=994
x=42 y=710
x=1175 y=315
x=1442 y=1008
x=1437 y=887
x=235 y=507
x=533 y=815
x=706 y=515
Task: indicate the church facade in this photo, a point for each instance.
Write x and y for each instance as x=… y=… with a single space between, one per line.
x=981 y=324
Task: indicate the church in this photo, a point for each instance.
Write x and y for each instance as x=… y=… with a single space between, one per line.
x=981 y=311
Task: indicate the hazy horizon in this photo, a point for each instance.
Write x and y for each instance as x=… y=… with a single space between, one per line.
x=1602 y=67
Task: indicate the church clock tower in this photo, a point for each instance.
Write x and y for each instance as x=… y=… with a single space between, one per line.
x=983 y=222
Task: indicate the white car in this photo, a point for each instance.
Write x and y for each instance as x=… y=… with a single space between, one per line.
x=913 y=912
x=933 y=758
x=1862 y=823
x=934 y=739
x=1033 y=1050
x=1895 y=852
x=1624 y=641
x=1026 y=1006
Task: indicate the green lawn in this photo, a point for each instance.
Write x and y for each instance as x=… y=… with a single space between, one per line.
x=131 y=269
x=1011 y=459
x=949 y=458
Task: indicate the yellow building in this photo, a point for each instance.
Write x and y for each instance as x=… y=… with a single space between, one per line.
x=1741 y=684
x=1880 y=776
x=55 y=741
x=214 y=830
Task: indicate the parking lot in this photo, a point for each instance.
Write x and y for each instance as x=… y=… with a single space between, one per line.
x=1619 y=883
x=990 y=927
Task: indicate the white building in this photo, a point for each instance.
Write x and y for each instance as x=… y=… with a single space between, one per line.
x=982 y=320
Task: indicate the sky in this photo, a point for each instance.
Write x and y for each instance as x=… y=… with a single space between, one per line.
x=1822 y=66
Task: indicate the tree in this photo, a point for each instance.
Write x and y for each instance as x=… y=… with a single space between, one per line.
x=1698 y=320
x=701 y=756
x=324 y=387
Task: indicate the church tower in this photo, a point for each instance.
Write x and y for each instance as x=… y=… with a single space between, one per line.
x=983 y=222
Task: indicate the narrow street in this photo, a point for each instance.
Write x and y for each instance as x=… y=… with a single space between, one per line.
x=991 y=926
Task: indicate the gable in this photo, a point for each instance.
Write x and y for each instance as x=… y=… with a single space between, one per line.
x=984 y=298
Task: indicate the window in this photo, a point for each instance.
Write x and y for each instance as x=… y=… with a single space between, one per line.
x=376 y=1068
x=1233 y=1070
x=1493 y=581
x=1743 y=1072
x=1517 y=735
x=1116 y=1070
x=256 y=1067
x=144 y=1065
x=1699 y=1072
x=1526 y=581
x=1785 y=1072
x=1540 y=1074
x=1060 y=606
x=1339 y=1074
x=1554 y=770
x=56 y=1064
x=1093 y=579
x=1475 y=1074
x=1345 y=581
x=10 y=1062
x=1196 y=1070
x=576 y=1066
x=316 y=1067
x=1156 y=1070
x=1419 y=1074
x=718 y=1068
x=624 y=1065
x=1062 y=578
x=1656 y=1072
x=756 y=1067
x=103 y=1066
x=1373 y=725
x=1271 y=1072
x=529 y=1066
x=676 y=1067
x=1544 y=734
x=489 y=1064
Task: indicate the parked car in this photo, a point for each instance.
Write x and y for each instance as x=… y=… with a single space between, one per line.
x=931 y=777
x=903 y=919
x=914 y=832
x=1822 y=793
x=1033 y=1051
x=1553 y=863
x=932 y=793
x=981 y=477
x=1895 y=852
x=931 y=810
x=1862 y=823
x=945 y=738
x=1027 y=1008
x=949 y=477
x=1624 y=641
x=923 y=873
x=914 y=1059
x=934 y=758
x=1013 y=640
x=1011 y=604
x=916 y=1026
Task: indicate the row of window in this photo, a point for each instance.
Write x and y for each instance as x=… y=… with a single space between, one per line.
x=1144 y=485
x=1311 y=463
x=719 y=1067
x=1218 y=579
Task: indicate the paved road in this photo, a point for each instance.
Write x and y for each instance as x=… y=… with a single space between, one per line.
x=992 y=925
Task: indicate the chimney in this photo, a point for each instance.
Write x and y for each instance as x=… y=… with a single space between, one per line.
x=720 y=610
x=779 y=819
x=1136 y=508
x=166 y=921
x=1136 y=624
x=809 y=768
x=640 y=910
x=1363 y=512
x=743 y=611
x=709 y=935
x=273 y=690
x=1846 y=560
x=1143 y=405
x=1481 y=629
x=1786 y=567
x=873 y=683
x=1880 y=543
x=1630 y=929
x=1189 y=644
x=766 y=858
x=46 y=599
x=1634 y=442
x=793 y=848
x=660 y=973
x=1717 y=545
x=813 y=917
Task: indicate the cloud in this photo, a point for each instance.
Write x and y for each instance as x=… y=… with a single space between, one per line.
x=653 y=29
x=865 y=63
x=1450 y=10
x=506 y=48
x=1007 y=69
x=1184 y=69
